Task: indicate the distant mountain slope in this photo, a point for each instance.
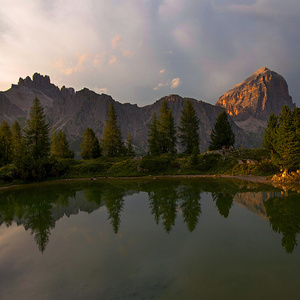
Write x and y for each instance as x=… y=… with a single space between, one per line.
x=74 y=111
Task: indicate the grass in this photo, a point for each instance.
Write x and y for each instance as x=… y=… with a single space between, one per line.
x=239 y=162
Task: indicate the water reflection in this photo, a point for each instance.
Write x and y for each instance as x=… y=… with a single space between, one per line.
x=37 y=209
x=284 y=217
x=224 y=202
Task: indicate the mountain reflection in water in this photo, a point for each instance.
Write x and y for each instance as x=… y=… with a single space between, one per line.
x=38 y=208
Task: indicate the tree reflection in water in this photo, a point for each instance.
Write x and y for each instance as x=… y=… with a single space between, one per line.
x=284 y=217
x=38 y=209
x=167 y=198
x=162 y=199
x=34 y=209
x=114 y=203
x=224 y=202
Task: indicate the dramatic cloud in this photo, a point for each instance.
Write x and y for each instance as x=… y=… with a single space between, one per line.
x=134 y=48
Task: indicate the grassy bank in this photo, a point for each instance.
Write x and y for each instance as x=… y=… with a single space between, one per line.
x=240 y=162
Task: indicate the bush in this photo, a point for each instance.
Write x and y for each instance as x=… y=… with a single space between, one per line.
x=59 y=167
x=155 y=164
x=208 y=161
x=7 y=173
x=90 y=167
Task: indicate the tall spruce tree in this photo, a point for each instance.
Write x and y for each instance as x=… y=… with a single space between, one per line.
x=129 y=147
x=90 y=147
x=269 y=138
x=287 y=144
x=60 y=146
x=188 y=129
x=34 y=164
x=166 y=129
x=112 y=144
x=222 y=134
x=5 y=143
x=153 y=136
x=37 y=132
x=17 y=141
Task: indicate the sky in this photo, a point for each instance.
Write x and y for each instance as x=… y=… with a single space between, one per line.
x=138 y=51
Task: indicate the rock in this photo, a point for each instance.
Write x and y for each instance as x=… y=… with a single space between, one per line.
x=257 y=97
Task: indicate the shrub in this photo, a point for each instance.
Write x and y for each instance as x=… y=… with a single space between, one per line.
x=155 y=164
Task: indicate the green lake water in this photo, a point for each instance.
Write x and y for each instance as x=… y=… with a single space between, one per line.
x=149 y=239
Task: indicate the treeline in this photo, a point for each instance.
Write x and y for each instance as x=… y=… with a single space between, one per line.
x=33 y=155
x=37 y=155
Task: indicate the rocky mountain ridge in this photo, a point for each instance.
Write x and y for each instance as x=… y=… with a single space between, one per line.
x=250 y=102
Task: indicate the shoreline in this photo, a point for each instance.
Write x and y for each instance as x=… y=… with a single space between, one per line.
x=249 y=178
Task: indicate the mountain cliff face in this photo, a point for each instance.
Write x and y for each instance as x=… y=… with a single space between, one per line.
x=250 y=102
x=259 y=95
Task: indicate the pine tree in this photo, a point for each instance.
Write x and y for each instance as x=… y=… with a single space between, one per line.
x=5 y=143
x=269 y=138
x=37 y=132
x=153 y=136
x=188 y=129
x=287 y=145
x=90 y=147
x=60 y=145
x=17 y=141
x=222 y=134
x=112 y=144
x=166 y=129
x=129 y=147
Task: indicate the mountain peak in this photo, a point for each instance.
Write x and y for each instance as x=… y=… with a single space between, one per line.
x=262 y=70
x=43 y=84
x=258 y=96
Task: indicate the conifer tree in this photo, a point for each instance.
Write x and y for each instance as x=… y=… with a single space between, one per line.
x=222 y=134
x=37 y=132
x=5 y=143
x=17 y=141
x=188 y=129
x=166 y=129
x=287 y=144
x=112 y=144
x=90 y=147
x=60 y=145
x=129 y=147
x=269 y=138
x=153 y=136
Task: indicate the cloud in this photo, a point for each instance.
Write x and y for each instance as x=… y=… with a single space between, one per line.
x=116 y=41
x=101 y=90
x=112 y=60
x=176 y=82
x=127 y=53
x=162 y=71
x=73 y=69
x=160 y=85
x=171 y=8
x=173 y=84
x=99 y=60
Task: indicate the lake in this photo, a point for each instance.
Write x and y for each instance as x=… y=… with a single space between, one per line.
x=149 y=239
